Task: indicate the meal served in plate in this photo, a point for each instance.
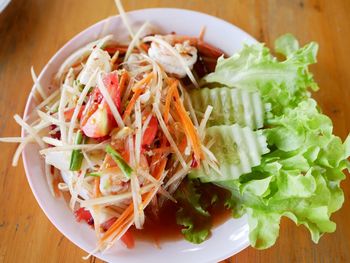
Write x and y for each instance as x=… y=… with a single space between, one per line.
x=168 y=132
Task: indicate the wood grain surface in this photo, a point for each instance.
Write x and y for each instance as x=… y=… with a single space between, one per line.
x=31 y=31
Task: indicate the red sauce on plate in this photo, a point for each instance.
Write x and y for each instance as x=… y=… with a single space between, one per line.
x=164 y=227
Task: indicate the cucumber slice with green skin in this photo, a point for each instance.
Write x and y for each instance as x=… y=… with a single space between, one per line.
x=237 y=150
x=230 y=106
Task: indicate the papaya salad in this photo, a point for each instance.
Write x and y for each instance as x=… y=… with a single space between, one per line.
x=130 y=128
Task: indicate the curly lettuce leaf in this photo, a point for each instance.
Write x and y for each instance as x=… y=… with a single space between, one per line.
x=280 y=83
x=300 y=176
x=299 y=180
x=190 y=231
x=286 y=45
x=194 y=200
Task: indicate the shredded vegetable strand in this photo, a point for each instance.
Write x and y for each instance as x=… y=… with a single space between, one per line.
x=76 y=188
x=61 y=117
x=49 y=118
x=30 y=130
x=135 y=40
x=113 y=199
x=126 y=218
x=12 y=139
x=114 y=58
x=79 y=104
x=131 y=150
x=204 y=121
x=48 y=99
x=168 y=100
x=139 y=215
x=178 y=175
x=79 y=55
x=27 y=140
x=168 y=135
x=124 y=17
x=132 y=102
x=146 y=123
x=190 y=107
x=88 y=160
x=138 y=137
x=127 y=91
x=189 y=129
x=37 y=84
x=143 y=82
x=52 y=141
x=123 y=80
x=86 y=147
x=147 y=176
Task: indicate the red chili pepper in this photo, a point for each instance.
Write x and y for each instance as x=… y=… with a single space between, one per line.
x=57 y=134
x=194 y=163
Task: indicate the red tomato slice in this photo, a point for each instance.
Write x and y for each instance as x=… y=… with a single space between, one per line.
x=106 y=225
x=98 y=124
x=97 y=119
x=150 y=133
x=111 y=82
x=68 y=114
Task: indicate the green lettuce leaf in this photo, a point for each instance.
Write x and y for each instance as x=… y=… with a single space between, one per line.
x=280 y=83
x=299 y=176
x=303 y=177
x=194 y=200
x=190 y=231
x=286 y=45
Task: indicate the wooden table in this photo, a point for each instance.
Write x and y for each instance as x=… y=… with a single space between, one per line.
x=32 y=31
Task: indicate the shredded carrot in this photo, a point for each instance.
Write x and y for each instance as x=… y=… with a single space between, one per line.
x=126 y=217
x=132 y=102
x=116 y=228
x=97 y=192
x=145 y=46
x=169 y=80
x=142 y=82
x=189 y=128
x=168 y=99
x=183 y=144
x=123 y=81
x=202 y=33
x=114 y=58
x=55 y=182
x=137 y=89
x=162 y=149
x=122 y=49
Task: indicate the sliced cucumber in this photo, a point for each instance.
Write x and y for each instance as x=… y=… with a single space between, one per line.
x=230 y=106
x=237 y=150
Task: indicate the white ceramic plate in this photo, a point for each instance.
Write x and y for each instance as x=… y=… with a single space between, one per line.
x=228 y=238
x=3 y=4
